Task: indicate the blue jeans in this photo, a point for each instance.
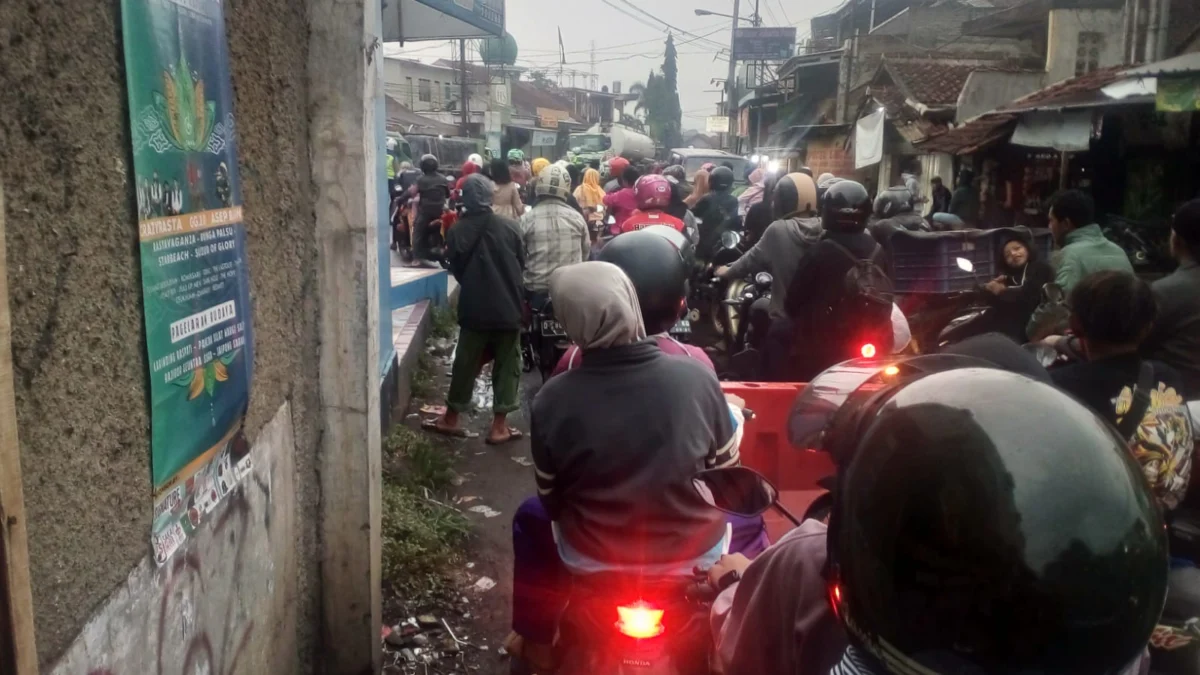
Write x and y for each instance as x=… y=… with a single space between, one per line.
x=542 y=584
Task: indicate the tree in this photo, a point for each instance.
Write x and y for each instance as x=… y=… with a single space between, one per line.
x=658 y=99
x=541 y=81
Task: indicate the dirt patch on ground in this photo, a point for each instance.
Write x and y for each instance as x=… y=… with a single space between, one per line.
x=474 y=591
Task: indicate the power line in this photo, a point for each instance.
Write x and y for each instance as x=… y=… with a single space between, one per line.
x=784 y=11
x=669 y=27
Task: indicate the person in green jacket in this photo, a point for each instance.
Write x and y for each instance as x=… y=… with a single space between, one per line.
x=1083 y=250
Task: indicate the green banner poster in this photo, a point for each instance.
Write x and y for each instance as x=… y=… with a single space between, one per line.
x=1178 y=94
x=195 y=281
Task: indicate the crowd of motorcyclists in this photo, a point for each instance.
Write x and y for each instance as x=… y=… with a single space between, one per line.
x=988 y=516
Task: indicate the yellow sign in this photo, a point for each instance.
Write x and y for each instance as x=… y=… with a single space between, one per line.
x=549 y=117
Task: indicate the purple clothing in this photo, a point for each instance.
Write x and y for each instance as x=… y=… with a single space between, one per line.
x=621 y=204
x=541 y=583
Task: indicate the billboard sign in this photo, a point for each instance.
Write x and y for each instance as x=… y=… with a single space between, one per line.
x=764 y=44
x=411 y=20
x=716 y=124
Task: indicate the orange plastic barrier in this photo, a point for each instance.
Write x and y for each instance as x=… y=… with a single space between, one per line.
x=765 y=448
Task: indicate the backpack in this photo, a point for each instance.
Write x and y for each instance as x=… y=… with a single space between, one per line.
x=862 y=311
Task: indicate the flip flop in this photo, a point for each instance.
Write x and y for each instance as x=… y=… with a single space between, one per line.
x=514 y=434
x=432 y=425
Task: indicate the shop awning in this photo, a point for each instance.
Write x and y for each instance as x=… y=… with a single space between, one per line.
x=1066 y=131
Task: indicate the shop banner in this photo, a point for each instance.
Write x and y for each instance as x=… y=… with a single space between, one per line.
x=1178 y=94
x=195 y=282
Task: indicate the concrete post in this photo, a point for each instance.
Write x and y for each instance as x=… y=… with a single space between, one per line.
x=344 y=48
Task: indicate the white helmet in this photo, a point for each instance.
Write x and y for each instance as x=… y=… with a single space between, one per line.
x=554 y=182
x=391 y=144
x=476 y=160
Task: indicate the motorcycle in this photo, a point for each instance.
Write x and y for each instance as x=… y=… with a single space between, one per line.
x=399 y=218
x=707 y=295
x=544 y=340
x=749 y=327
x=1148 y=246
x=595 y=222
x=620 y=624
x=934 y=319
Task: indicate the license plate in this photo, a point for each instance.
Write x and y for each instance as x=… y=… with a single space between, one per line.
x=552 y=328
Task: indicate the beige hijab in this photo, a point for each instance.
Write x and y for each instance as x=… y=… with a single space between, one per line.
x=597 y=305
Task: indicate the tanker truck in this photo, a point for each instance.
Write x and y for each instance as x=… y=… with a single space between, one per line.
x=604 y=143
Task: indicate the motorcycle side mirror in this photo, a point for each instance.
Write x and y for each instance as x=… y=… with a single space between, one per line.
x=763 y=279
x=737 y=490
x=965 y=265
x=1053 y=293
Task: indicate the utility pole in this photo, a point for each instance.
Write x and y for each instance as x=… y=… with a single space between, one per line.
x=730 y=85
x=592 y=72
x=462 y=84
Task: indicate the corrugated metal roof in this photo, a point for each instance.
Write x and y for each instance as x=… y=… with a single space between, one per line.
x=1180 y=65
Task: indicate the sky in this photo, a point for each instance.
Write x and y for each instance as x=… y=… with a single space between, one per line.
x=628 y=43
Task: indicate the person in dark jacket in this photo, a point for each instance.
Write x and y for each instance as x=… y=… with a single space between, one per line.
x=940 y=197
x=964 y=203
x=817 y=286
x=760 y=214
x=1012 y=296
x=1175 y=339
x=434 y=191
x=717 y=211
x=487 y=259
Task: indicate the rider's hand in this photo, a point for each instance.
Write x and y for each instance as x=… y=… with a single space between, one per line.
x=996 y=286
x=1053 y=340
x=733 y=562
x=735 y=401
x=722 y=270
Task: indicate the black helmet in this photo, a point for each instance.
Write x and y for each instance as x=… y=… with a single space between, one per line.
x=675 y=171
x=806 y=171
x=658 y=260
x=893 y=201
x=967 y=537
x=721 y=179
x=429 y=163
x=845 y=206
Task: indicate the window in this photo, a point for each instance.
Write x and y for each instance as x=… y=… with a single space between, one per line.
x=448 y=90
x=424 y=91
x=408 y=90
x=1087 y=52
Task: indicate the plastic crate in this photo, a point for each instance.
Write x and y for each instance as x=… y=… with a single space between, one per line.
x=927 y=262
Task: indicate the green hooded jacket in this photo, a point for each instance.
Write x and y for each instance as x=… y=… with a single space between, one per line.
x=1087 y=250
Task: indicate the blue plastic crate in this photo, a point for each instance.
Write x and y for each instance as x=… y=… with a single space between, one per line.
x=926 y=262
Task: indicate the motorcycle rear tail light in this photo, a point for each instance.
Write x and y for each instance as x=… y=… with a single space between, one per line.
x=640 y=620
x=868 y=351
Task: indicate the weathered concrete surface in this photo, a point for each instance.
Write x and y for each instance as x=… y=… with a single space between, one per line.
x=344 y=63
x=226 y=603
x=75 y=289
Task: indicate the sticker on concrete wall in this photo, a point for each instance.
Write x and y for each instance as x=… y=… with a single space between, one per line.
x=195 y=281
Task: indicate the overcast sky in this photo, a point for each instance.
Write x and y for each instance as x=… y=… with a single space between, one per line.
x=627 y=48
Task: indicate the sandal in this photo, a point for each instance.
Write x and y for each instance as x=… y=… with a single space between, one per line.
x=458 y=432
x=514 y=434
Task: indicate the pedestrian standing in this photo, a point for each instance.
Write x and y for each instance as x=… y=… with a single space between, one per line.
x=485 y=254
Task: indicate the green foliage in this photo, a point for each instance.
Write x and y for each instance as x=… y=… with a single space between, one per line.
x=444 y=322
x=421 y=540
x=427 y=465
x=421 y=382
x=658 y=97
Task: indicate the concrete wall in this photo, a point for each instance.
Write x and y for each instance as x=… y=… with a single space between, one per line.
x=1063 y=39
x=223 y=605
x=988 y=90
x=75 y=292
x=396 y=85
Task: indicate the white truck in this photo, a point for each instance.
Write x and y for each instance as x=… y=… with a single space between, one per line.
x=607 y=142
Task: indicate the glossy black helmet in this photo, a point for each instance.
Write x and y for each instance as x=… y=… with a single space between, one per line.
x=429 y=163
x=721 y=179
x=676 y=171
x=845 y=206
x=967 y=537
x=893 y=201
x=658 y=260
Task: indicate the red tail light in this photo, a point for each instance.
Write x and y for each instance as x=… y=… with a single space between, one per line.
x=868 y=351
x=640 y=620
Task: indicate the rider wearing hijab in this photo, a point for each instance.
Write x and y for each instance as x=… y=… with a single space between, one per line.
x=753 y=194
x=589 y=194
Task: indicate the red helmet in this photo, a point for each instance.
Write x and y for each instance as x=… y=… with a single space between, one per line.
x=617 y=166
x=652 y=191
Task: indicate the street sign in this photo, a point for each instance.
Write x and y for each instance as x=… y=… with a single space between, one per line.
x=716 y=124
x=764 y=44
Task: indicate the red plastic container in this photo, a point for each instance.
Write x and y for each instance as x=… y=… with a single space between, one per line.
x=765 y=449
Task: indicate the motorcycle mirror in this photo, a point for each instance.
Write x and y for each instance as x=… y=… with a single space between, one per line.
x=737 y=490
x=964 y=264
x=1054 y=293
x=730 y=239
x=763 y=279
